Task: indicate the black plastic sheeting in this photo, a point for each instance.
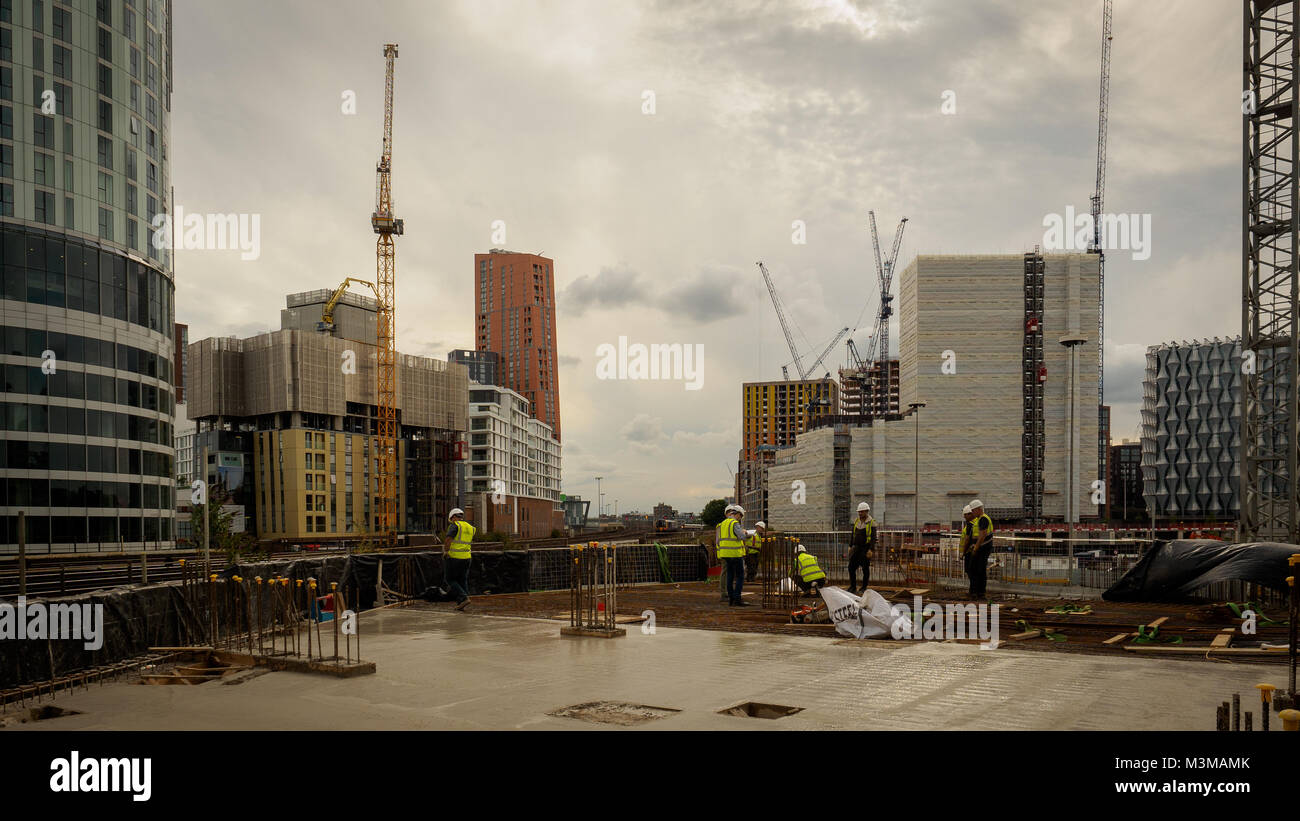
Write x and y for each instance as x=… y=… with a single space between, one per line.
x=134 y=619
x=1176 y=570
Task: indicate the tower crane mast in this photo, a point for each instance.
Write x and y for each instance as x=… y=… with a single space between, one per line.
x=386 y=226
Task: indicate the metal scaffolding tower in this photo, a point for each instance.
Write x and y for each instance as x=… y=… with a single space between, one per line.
x=1270 y=228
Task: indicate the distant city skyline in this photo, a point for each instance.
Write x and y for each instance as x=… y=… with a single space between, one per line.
x=657 y=206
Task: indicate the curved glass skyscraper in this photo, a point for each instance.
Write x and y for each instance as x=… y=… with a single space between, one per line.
x=87 y=302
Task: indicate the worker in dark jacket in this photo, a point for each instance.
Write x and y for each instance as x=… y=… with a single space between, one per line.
x=979 y=541
x=862 y=548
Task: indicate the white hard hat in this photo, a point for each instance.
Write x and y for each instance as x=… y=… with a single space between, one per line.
x=738 y=509
x=729 y=508
x=455 y=511
x=762 y=525
x=864 y=506
x=799 y=549
x=976 y=503
x=965 y=509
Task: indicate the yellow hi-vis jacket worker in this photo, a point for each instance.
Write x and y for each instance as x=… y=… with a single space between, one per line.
x=809 y=570
x=460 y=542
x=731 y=545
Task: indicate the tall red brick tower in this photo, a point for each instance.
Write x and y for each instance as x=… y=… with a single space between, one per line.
x=514 y=304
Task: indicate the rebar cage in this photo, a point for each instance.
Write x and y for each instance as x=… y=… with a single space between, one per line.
x=593 y=587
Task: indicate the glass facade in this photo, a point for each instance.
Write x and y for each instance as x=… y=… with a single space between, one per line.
x=86 y=298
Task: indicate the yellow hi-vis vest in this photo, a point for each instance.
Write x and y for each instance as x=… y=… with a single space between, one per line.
x=966 y=541
x=460 y=542
x=751 y=544
x=809 y=570
x=858 y=524
x=730 y=546
x=975 y=528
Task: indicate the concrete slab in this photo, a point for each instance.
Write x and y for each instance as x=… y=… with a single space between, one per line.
x=439 y=669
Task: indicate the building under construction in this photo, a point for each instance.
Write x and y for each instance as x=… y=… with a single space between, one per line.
x=870 y=392
x=774 y=413
x=297 y=408
x=983 y=345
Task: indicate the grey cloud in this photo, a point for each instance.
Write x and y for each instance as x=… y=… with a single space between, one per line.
x=611 y=288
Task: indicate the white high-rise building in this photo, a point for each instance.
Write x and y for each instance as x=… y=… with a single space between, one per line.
x=980 y=346
x=512 y=464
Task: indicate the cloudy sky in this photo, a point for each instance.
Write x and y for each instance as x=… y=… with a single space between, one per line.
x=763 y=113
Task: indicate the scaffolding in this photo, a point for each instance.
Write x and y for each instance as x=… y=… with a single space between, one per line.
x=1270 y=302
x=1034 y=376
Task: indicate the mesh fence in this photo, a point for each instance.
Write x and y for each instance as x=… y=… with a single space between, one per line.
x=1040 y=566
x=551 y=568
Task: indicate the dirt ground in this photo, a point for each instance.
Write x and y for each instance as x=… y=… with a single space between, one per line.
x=697 y=605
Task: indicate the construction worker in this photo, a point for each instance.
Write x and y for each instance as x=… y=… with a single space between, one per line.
x=979 y=528
x=456 y=556
x=807 y=573
x=752 y=547
x=731 y=551
x=862 y=548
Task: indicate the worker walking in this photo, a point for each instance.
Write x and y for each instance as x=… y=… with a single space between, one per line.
x=862 y=548
x=808 y=575
x=456 y=556
x=752 y=547
x=730 y=543
x=978 y=538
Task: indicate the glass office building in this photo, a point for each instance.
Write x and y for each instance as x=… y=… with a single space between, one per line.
x=87 y=303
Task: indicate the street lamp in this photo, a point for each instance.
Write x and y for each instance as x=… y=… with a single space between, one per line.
x=600 y=510
x=916 y=473
x=1071 y=343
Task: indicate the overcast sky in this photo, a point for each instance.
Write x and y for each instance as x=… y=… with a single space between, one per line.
x=764 y=113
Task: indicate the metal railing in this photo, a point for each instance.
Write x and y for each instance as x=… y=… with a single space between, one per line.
x=1036 y=566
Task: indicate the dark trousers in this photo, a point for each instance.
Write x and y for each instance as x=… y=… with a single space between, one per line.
x=751 y=566
x=977 y=568
x=808 y=587
x=735 y=569
x=858 y=558
x=456 y=572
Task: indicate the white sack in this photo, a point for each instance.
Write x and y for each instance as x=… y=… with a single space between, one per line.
x=867 y=616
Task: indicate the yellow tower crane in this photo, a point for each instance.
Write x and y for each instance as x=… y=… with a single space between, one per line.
x=386 y=226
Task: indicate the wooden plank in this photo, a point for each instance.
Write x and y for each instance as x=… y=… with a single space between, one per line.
x=1028 y=634
x=1232 y=651
x=1224 y=638
x=1158 y=622
x=1116 y=639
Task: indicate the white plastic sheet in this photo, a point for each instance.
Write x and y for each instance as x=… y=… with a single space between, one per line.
x=867 y=616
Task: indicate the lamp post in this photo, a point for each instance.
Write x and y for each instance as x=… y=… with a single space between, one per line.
x=600 y=510
x=1071 y=342
x=916 y=474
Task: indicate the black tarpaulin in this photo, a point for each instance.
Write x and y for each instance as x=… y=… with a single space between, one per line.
x=1176 y=570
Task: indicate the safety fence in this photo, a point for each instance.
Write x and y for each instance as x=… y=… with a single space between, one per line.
x=1041 y=566
x=550 y=568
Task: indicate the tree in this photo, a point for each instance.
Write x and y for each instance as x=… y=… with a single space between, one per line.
x=713 y=512
x=234 y=545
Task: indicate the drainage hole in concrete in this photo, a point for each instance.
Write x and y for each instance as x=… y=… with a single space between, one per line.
x=50 y=711
x=754 y=709
x=613 y=712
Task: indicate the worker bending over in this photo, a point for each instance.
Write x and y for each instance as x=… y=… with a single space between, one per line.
x=456 y=558
x=808 y=575
x=977 y=537
x=862 y=548
x=730 y=541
